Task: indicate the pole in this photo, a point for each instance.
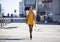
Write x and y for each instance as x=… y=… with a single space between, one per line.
x=1 y=22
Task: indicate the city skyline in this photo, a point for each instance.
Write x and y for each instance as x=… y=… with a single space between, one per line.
x=10 y=5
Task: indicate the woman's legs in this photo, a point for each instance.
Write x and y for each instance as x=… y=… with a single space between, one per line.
x=30 y=30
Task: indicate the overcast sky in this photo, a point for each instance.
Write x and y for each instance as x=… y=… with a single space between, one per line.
x=10 y=5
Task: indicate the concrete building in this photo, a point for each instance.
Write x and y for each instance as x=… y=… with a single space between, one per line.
x=0 y=11
x=21 y=8
x=24 y=6
x=55 y=6
x=29 y=3
x=48 y=8
x=0 y=8
x=51 y=8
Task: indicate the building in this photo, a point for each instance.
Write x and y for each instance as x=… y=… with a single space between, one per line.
x=0 y=8
x=48 y=9
x=24 y=6
x=29 y=3
x=0 y=11
x=21 y=9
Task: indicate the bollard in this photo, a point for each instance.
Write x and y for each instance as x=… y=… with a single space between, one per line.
x=5 y=21
x=1 y=23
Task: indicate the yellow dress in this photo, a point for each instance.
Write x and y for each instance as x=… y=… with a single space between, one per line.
x=30 y=19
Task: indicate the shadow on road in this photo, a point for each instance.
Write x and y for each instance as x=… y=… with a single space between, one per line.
x=9 y=27
x=13 y=38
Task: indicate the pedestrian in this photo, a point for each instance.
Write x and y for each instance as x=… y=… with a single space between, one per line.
x=30 y=20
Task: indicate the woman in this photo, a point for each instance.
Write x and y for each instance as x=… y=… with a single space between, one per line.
x=30 y=19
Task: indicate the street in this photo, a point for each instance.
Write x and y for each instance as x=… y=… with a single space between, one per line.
x=19 y=32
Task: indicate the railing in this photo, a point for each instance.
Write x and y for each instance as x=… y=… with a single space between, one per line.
x=4 y=21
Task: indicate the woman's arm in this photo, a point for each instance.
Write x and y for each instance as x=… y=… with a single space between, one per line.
x=27 y=18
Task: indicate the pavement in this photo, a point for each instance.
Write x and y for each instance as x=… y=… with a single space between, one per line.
x=19 y=32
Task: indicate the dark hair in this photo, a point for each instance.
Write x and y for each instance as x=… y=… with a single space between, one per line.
x=30 y=6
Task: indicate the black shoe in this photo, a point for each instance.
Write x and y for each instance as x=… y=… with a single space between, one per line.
x=30 y=37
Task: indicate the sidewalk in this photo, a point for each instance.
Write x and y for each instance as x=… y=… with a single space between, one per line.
x=19 y=32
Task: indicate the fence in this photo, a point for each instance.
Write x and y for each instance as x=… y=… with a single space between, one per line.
x=4 y=21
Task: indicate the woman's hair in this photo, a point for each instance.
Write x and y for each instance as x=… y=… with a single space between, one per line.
x=31 y=10
x=30 y=7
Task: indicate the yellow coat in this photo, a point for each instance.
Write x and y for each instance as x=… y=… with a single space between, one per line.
x=30 y=19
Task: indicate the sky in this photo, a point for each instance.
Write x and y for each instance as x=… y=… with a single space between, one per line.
x=10 y=5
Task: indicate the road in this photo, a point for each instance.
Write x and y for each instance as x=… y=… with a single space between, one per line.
x=19 y=32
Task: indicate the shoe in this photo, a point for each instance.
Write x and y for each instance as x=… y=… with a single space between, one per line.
x=30 y=37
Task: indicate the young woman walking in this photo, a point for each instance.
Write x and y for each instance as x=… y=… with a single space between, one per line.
x=30 y=20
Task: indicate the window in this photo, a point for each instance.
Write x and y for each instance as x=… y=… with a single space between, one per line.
x=47 y=1
x=29 y=3
x=14 y=11
x=0 y=7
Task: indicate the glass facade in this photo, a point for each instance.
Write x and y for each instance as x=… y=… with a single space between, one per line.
x=29 y=3
x=47 y=1
x=0 y=7
x=50 y=7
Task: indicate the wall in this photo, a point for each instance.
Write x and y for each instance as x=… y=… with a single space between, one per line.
x=56 y=10
x=20 y=7
x=52 y=8
x=0 y=8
